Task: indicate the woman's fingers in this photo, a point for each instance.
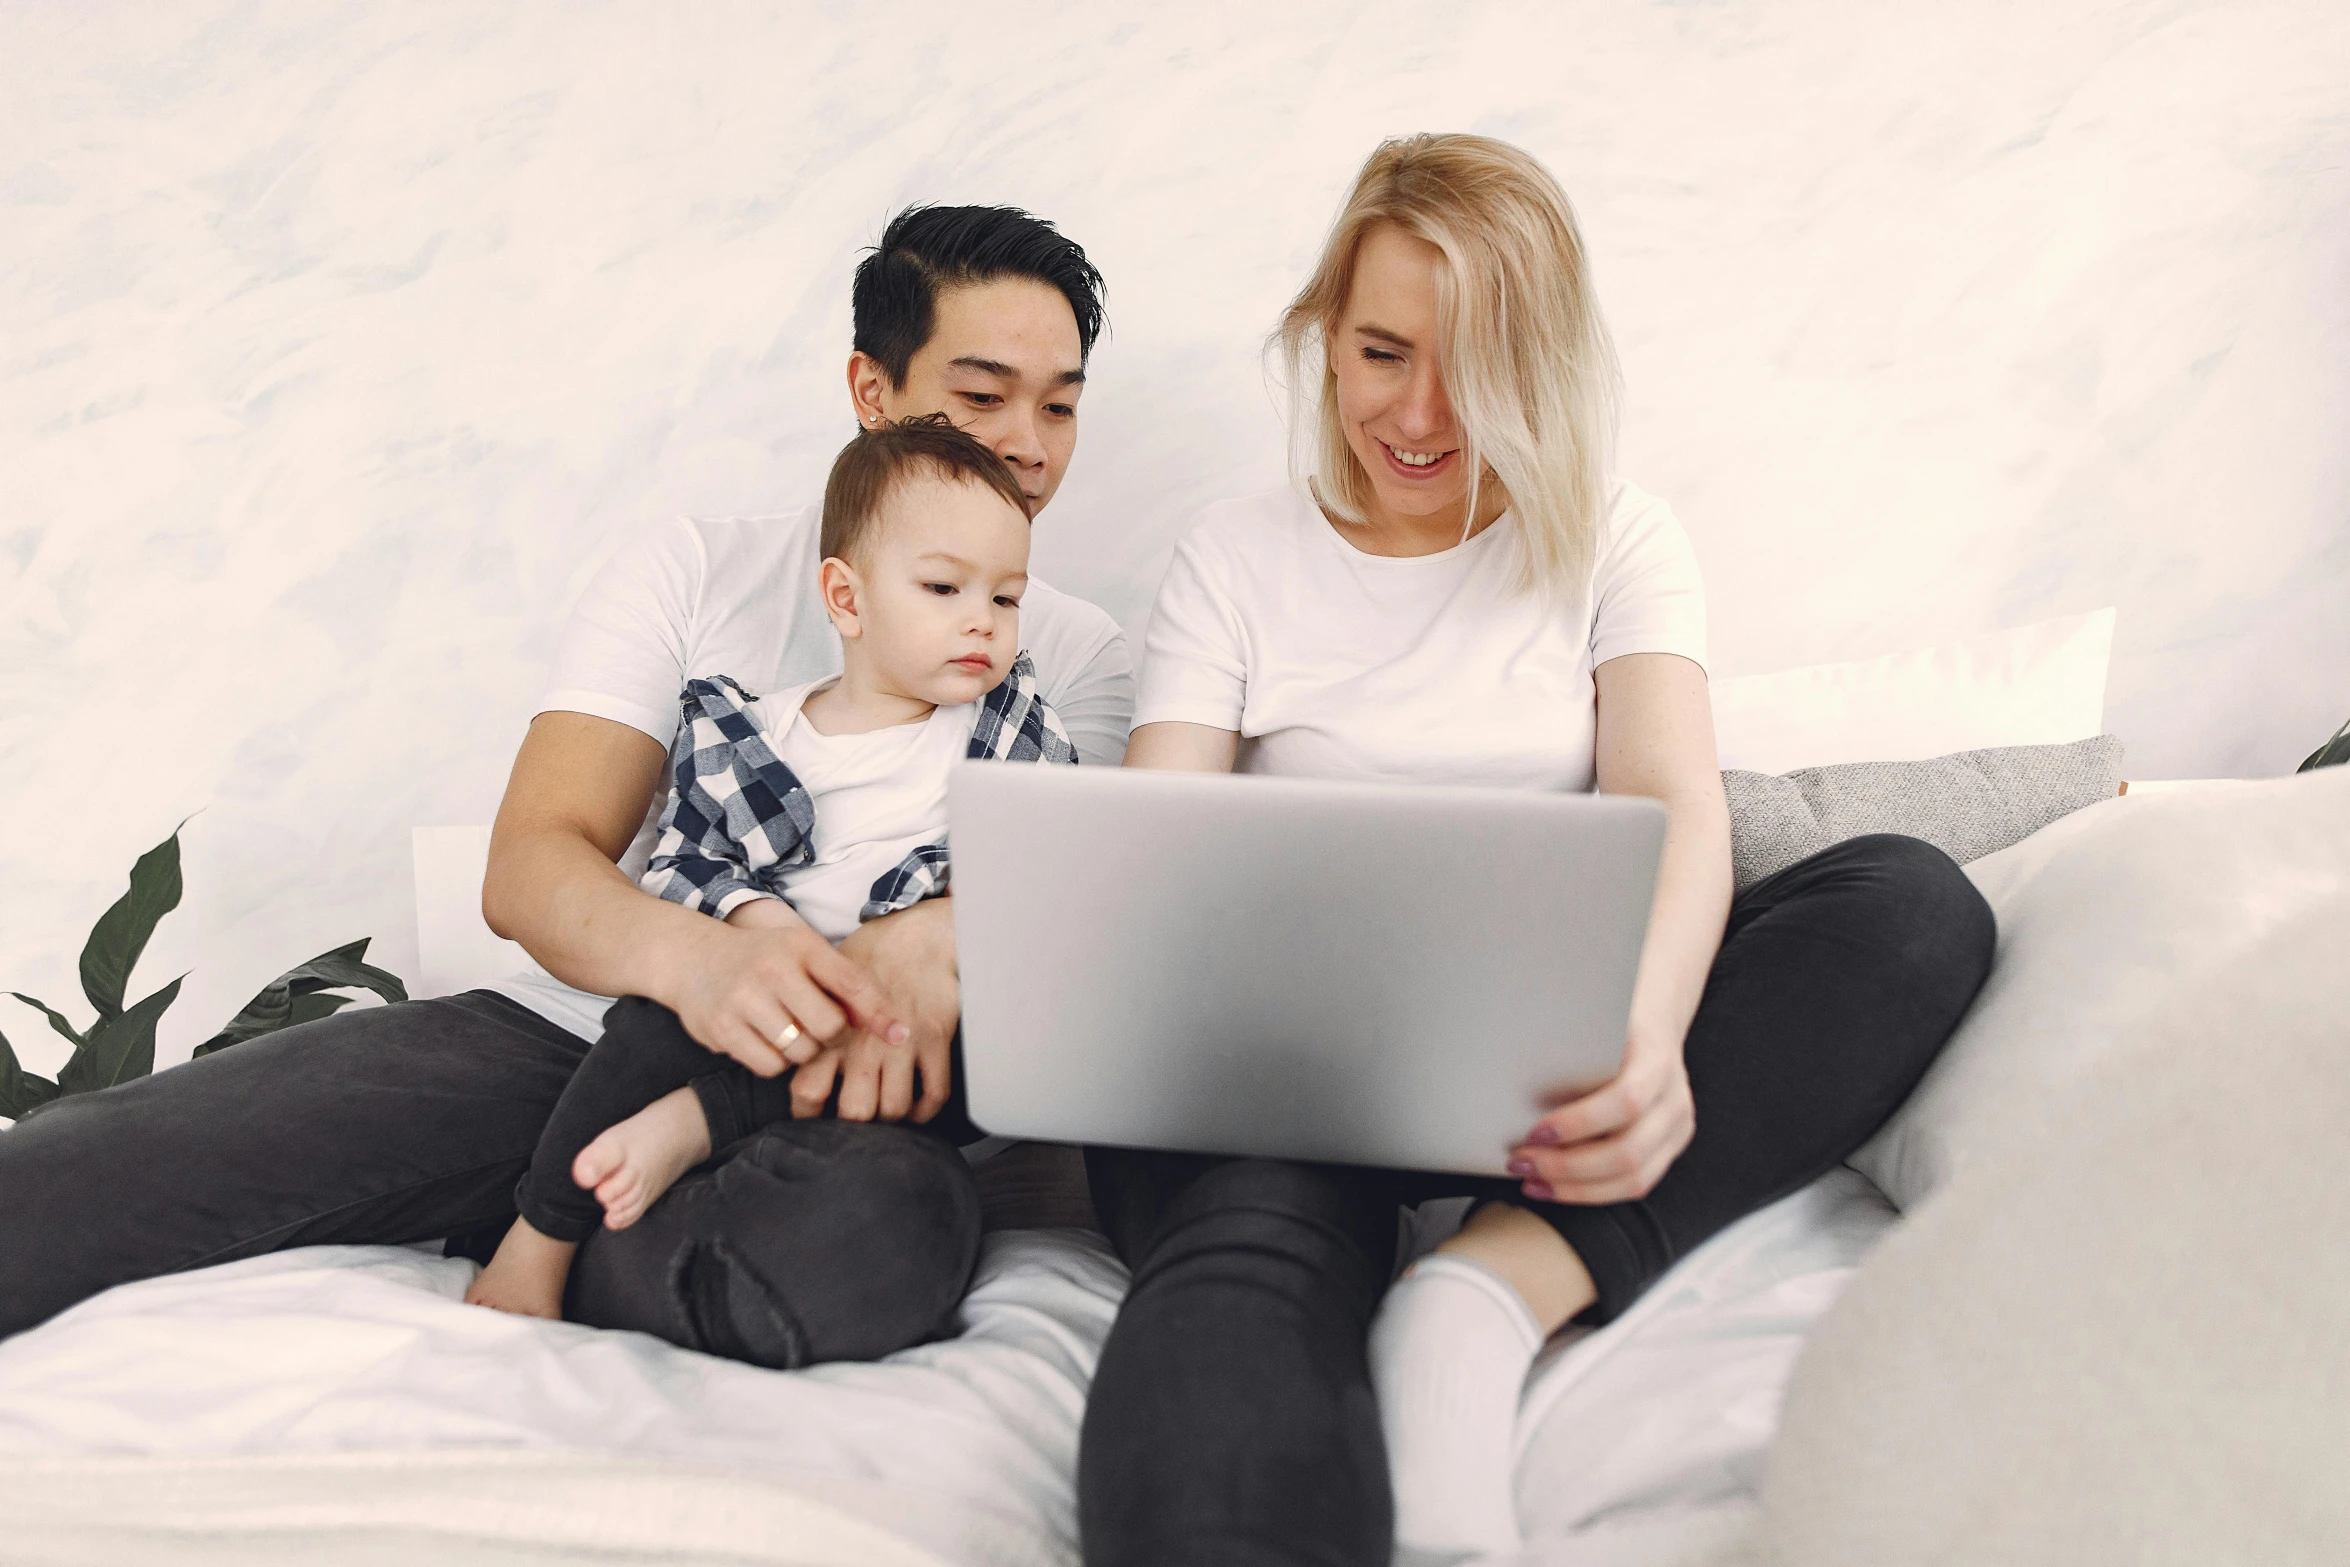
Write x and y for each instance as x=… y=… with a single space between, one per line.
x=1616 y=1168
x=1626 y=1155
x=1606 y=1109
x=1649 y=1074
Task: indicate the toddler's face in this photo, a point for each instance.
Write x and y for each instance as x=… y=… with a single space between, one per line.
x=938 y=591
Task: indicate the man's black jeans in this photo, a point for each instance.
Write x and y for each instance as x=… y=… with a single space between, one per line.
x=644 y=1054
x=804 y=1241
x=1232 y=1419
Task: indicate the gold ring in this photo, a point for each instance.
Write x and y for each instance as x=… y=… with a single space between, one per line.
x=791 y=1031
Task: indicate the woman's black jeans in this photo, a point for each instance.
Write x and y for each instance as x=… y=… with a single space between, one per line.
x=1232 y=1420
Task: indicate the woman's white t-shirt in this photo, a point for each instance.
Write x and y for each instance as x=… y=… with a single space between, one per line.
x=1332 y=663
x=878 y=797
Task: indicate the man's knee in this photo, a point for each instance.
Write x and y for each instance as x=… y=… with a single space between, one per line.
x=812 y=1241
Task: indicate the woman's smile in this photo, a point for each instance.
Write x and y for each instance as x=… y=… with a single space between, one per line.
x=1409 y=464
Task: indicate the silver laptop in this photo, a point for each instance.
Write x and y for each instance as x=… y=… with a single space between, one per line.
x=1356 y=973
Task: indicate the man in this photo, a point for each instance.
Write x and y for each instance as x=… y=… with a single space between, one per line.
x=414 y=1121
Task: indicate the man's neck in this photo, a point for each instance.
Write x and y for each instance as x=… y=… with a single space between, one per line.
x=859 y=704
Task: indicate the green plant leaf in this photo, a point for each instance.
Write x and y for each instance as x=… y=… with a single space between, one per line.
x=122 y=931
x=120 y=1047
x=56 y=1018
x=20 y=1090
x=318 y=1004
x=296 y=995
x=2334 y=753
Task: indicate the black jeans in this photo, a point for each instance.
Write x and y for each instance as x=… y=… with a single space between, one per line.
x=645 y=1053
x=1232 y=1419
x=805 y=1241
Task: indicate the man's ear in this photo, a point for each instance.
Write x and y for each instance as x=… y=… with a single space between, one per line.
x=838 y=587
x=869 y=383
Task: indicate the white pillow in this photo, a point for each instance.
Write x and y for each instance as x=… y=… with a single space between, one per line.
x=2124 y=1345
x=2110 y=920
x=2036 y=685
x=455 y=948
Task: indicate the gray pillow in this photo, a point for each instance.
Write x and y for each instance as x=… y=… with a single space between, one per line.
x=1967 y=805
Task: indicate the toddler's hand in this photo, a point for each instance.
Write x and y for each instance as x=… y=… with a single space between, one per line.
x=876 y=1079
x=911 y=955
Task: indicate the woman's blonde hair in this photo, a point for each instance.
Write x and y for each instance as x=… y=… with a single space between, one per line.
x=1526 y=359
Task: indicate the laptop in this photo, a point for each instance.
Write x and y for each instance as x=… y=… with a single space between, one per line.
x=1356 y=973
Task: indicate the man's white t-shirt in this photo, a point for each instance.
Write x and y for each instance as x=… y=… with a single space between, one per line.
x=1332 y=663
x=878 y=797
x=737 y=596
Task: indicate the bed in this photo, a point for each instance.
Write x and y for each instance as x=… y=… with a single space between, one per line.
x=343 y=1404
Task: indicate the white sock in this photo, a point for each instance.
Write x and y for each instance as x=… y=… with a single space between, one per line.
x=1450 y=1348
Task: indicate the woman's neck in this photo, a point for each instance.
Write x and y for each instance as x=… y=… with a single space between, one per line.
x=1384 y=531
x=858 y=703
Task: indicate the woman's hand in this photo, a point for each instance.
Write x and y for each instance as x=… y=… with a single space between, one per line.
x=911 y=955
x=1655 y=738
x=1614 y=1143
x=749 y=983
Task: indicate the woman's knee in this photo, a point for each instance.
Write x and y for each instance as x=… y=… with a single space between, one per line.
x=1942 y=924
x=1276 y=1217
x=1906 y=898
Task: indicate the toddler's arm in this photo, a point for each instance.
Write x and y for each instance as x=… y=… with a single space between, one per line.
x=765 y=914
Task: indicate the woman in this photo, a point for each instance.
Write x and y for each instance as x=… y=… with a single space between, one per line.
x=1462 y=593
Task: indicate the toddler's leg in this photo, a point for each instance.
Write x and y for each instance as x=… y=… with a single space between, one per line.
x=632 y=1163
x=527 y=1275
x=645 y=1053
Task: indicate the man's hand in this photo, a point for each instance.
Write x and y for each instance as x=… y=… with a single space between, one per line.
x=1614 y=1143
x=744 y=984
x=911 y=956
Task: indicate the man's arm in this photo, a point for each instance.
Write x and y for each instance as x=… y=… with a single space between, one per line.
x=578 y=793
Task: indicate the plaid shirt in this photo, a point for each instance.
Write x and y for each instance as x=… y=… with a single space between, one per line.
x=738 y=818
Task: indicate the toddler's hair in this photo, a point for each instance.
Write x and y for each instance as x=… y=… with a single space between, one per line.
x=878 y=458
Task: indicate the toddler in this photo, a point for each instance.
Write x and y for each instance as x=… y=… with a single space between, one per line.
x=823 y=804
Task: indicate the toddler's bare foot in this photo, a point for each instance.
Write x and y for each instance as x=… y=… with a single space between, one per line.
x=526 y=1276
x=632 y=1164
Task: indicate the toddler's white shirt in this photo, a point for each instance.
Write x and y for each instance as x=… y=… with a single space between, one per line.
x=877 y=796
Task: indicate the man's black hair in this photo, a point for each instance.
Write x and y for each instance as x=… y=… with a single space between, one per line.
x=924 y=249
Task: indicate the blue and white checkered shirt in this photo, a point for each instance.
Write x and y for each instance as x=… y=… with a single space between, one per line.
x=738 y=818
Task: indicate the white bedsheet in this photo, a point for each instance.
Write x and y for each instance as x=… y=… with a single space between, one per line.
x=342 y=1403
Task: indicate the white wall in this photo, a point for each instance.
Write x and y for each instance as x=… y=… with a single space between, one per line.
x=338 y=343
